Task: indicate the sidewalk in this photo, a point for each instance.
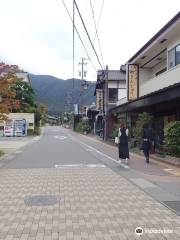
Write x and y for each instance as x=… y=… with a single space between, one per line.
x=12 y=146
x=158 y=179
x=88 y=204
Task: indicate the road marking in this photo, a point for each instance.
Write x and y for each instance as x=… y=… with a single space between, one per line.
x=36 y=138
x=99 y=152
x=89 y=150
x=168 y=169
x=60 y=137
x=80 y=165
x=17 y=152
x=10 y=157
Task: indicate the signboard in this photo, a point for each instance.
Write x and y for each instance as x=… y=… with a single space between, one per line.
x=99 y=99
x=9 y=128
x=20 y=127
x=133 y=79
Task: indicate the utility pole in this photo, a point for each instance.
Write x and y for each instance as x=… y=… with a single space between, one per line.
x=105 y=102
x=83 y=83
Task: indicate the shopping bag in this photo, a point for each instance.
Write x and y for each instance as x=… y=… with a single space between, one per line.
x=116 y=140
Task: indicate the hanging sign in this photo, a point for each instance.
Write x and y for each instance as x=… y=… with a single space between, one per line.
x=133 y=79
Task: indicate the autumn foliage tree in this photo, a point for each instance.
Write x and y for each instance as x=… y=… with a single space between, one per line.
x=8 y=102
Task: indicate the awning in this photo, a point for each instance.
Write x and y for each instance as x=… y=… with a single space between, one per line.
x=161 y=96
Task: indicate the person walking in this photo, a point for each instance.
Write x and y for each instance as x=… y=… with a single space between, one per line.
x=146 y=141
x=123 y=143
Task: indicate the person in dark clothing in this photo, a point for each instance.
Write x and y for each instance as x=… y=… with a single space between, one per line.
x=146 y=144
x=123 y=143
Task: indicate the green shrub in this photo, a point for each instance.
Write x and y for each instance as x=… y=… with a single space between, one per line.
x=30 y=132
x=115 y=130
x=172 y=138
x=82 y=127
x=1 y=153
x=143 y=118
x=37 y=130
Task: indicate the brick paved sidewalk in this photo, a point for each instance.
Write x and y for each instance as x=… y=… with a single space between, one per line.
x=93 y=203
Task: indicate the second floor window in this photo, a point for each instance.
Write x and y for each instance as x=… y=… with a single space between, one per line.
x=113 y=94
x=174 y=57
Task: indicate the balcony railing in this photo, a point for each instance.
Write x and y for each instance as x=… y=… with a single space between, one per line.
x=163 y=80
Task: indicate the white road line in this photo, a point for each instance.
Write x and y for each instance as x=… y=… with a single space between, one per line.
x=60 y=137
x=36 y=138
x=17 y=152
x=102 y=154
x=168 y=169
x=80 y=165
x=10 y=157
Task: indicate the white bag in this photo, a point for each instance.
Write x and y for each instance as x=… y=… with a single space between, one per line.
x=116 y=140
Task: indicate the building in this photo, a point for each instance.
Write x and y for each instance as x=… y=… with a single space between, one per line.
x=24 y=76
x=110 y=90
x=153 y=79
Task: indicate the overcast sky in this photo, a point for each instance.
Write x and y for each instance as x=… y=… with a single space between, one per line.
x=37 y=34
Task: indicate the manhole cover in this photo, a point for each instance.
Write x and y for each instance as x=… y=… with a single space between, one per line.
x=40 y=200
x=174 y=205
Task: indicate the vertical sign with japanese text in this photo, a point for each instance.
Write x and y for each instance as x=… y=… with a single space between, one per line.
x=133 y=79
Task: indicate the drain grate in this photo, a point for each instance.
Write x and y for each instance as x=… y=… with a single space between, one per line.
x=40 y=200
x=173 y=205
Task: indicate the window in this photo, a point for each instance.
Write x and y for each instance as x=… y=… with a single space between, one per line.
x=122 y=93
x=171 y=58
x=174 y=57
x=113 y=94
x=178 y=54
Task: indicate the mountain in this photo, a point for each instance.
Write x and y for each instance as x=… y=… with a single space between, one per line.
x=58 y=94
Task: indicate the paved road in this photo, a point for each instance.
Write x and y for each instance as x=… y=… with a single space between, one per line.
x=94 y=197
x=58 y=146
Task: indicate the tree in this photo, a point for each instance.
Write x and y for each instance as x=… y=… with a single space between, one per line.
x=41 y=110
x=25 y=96
x=7 y=95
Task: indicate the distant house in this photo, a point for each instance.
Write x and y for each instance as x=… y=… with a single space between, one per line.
x=24 y=76
x=110 y=90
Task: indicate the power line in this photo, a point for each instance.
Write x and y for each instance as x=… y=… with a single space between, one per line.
x=100 y=14
x=87 y=34
x=96 y=34
x=89 y=58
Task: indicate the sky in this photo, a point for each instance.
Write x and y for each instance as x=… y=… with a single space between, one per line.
x=37 y=34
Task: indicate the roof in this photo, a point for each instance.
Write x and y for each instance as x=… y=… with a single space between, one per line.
x=114 y=74
x=162 y=30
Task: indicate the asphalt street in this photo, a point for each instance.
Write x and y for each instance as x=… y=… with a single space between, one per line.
x=57 y=146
